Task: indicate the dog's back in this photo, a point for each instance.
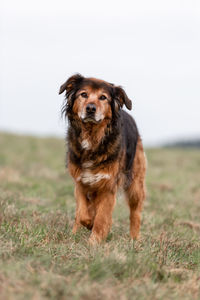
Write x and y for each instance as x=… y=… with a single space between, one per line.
x=130 y=137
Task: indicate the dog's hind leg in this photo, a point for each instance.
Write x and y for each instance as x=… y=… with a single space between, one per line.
x=136 y=191
x=135 y=197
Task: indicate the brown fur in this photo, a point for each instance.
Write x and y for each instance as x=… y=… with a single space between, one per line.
x=96 y=183
x=95 y=205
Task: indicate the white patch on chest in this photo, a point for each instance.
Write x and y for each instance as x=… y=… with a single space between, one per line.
x=88 y=178
x=87 y=164
x=85 y=144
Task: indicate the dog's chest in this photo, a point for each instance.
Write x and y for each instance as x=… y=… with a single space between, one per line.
x=89 y=174
x=89 y=178
x=92 y=176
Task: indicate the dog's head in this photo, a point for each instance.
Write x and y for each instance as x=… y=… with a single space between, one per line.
x=92 y=100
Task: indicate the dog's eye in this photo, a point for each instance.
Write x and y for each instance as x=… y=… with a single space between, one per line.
x=102 y=97
x=84 y=95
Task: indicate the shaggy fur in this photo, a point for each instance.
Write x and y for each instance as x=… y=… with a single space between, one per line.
x=104 y=152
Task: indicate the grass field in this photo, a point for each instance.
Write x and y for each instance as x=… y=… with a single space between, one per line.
x=41 y=259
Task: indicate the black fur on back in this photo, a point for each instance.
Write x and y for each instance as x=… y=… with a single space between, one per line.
x=130 y=137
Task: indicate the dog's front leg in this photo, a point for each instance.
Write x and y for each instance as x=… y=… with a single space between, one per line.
x=82 y=213
x=104 y=203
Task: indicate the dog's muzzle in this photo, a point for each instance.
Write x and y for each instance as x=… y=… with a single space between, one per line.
x=90 y=109
x=90 y=113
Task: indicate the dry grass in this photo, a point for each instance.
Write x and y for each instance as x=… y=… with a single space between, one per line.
x=41 y=259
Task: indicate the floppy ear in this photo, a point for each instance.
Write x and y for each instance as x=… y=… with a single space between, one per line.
x=71 y=83
x=122 y=98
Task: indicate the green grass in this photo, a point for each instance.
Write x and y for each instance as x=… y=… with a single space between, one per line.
x=41 y=259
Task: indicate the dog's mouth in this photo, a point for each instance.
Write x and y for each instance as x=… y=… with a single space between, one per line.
x=90 y=120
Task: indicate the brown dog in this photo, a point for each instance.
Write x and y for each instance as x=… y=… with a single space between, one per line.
x=104 y=152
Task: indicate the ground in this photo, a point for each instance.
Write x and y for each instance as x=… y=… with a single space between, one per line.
x=41 y=259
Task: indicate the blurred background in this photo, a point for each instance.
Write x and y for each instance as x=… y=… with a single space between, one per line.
x=151 y=48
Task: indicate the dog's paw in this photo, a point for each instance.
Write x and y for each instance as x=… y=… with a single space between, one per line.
x=94 y=240
x=75 y=228
x=135 y=235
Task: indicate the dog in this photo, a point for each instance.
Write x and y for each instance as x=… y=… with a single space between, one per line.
x=105 y=152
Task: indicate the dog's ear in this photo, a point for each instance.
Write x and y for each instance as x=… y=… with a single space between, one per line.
x=70 y=85
x=121 y=97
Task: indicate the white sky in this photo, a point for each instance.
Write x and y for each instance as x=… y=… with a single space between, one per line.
x=151 y=48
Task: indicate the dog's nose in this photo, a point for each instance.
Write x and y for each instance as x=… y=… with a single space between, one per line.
x=91 y=108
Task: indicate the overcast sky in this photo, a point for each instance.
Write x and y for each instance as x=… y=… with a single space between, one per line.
x=151 y=48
